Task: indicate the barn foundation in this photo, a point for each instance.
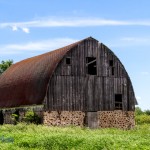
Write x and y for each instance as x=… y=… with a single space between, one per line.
x=101 y=119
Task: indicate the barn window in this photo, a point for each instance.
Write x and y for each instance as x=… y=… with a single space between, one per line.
x=68 y=61
x=112 y=68
x=111 y=63
x=112 y=71
x=91 y=65
x=118 y=101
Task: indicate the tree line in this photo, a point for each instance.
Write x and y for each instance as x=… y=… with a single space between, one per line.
x=4 y=65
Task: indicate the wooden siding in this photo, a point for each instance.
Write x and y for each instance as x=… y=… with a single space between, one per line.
x=71 y=88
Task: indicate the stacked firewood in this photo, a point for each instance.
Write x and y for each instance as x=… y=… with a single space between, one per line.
x=63 y=118
x=117 y=119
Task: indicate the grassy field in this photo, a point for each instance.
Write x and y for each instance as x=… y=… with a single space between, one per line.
x=24 y=137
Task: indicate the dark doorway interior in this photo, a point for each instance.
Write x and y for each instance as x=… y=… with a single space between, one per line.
x=1 y=118
x=17 y=115
x=91 y=65
x=118 y=101
x=111 y=63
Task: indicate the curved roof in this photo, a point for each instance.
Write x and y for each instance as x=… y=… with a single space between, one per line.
x=25 y=83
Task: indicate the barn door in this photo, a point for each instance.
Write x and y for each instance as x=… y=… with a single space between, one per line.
x=91 y=120
x=90 y=90
x=91 y=112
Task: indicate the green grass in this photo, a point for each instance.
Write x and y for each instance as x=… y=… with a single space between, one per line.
x=39 y=137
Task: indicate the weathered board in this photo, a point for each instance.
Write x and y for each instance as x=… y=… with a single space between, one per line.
x=71 y=88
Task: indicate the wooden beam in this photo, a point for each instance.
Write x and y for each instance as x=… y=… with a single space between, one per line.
x=91 y=62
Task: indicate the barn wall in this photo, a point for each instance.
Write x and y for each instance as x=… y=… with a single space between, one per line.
x=72 y=89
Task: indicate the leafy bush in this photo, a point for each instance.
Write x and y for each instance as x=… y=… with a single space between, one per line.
x=32 y=117
x=147 y=112
x=15 y=118
x=142 y=119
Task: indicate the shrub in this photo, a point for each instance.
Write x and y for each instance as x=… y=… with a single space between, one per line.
x=15 y=118
x=147 y=112
x=142 y=119
x=32 y=117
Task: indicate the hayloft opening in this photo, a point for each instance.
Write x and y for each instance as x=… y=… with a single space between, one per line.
x=91 y=66
x=118 y=101
x=111 y=63
x=1 y=118
x=68 y=61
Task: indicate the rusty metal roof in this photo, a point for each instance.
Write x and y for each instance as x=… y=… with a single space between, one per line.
x=25 y=83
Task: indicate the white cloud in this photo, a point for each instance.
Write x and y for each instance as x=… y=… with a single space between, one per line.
x=72 y=22
x=26 y=30
x=43 y=45
x=14 y=28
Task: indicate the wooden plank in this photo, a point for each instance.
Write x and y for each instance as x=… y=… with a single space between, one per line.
x=67 y=102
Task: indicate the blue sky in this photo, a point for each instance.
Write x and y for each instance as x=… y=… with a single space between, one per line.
x=29 y=28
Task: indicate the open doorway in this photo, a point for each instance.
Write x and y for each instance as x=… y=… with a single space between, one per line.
x=1 y=118
x=17 y=115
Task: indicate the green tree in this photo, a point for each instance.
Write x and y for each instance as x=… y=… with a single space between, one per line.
x=138 y=111
x=4 y=65
x=147 y=112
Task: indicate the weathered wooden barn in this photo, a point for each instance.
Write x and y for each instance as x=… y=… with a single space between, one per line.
x=81 y=84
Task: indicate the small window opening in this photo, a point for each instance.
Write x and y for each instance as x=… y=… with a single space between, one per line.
x=68 y=61
x=91 y=65
x=111 y=63
x=112 y=71
x=118 y=101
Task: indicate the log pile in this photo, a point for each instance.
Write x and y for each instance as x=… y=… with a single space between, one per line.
x=63 y=118
x=118 y=119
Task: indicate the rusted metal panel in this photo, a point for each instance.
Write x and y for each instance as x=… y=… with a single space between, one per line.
x=25 y=83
